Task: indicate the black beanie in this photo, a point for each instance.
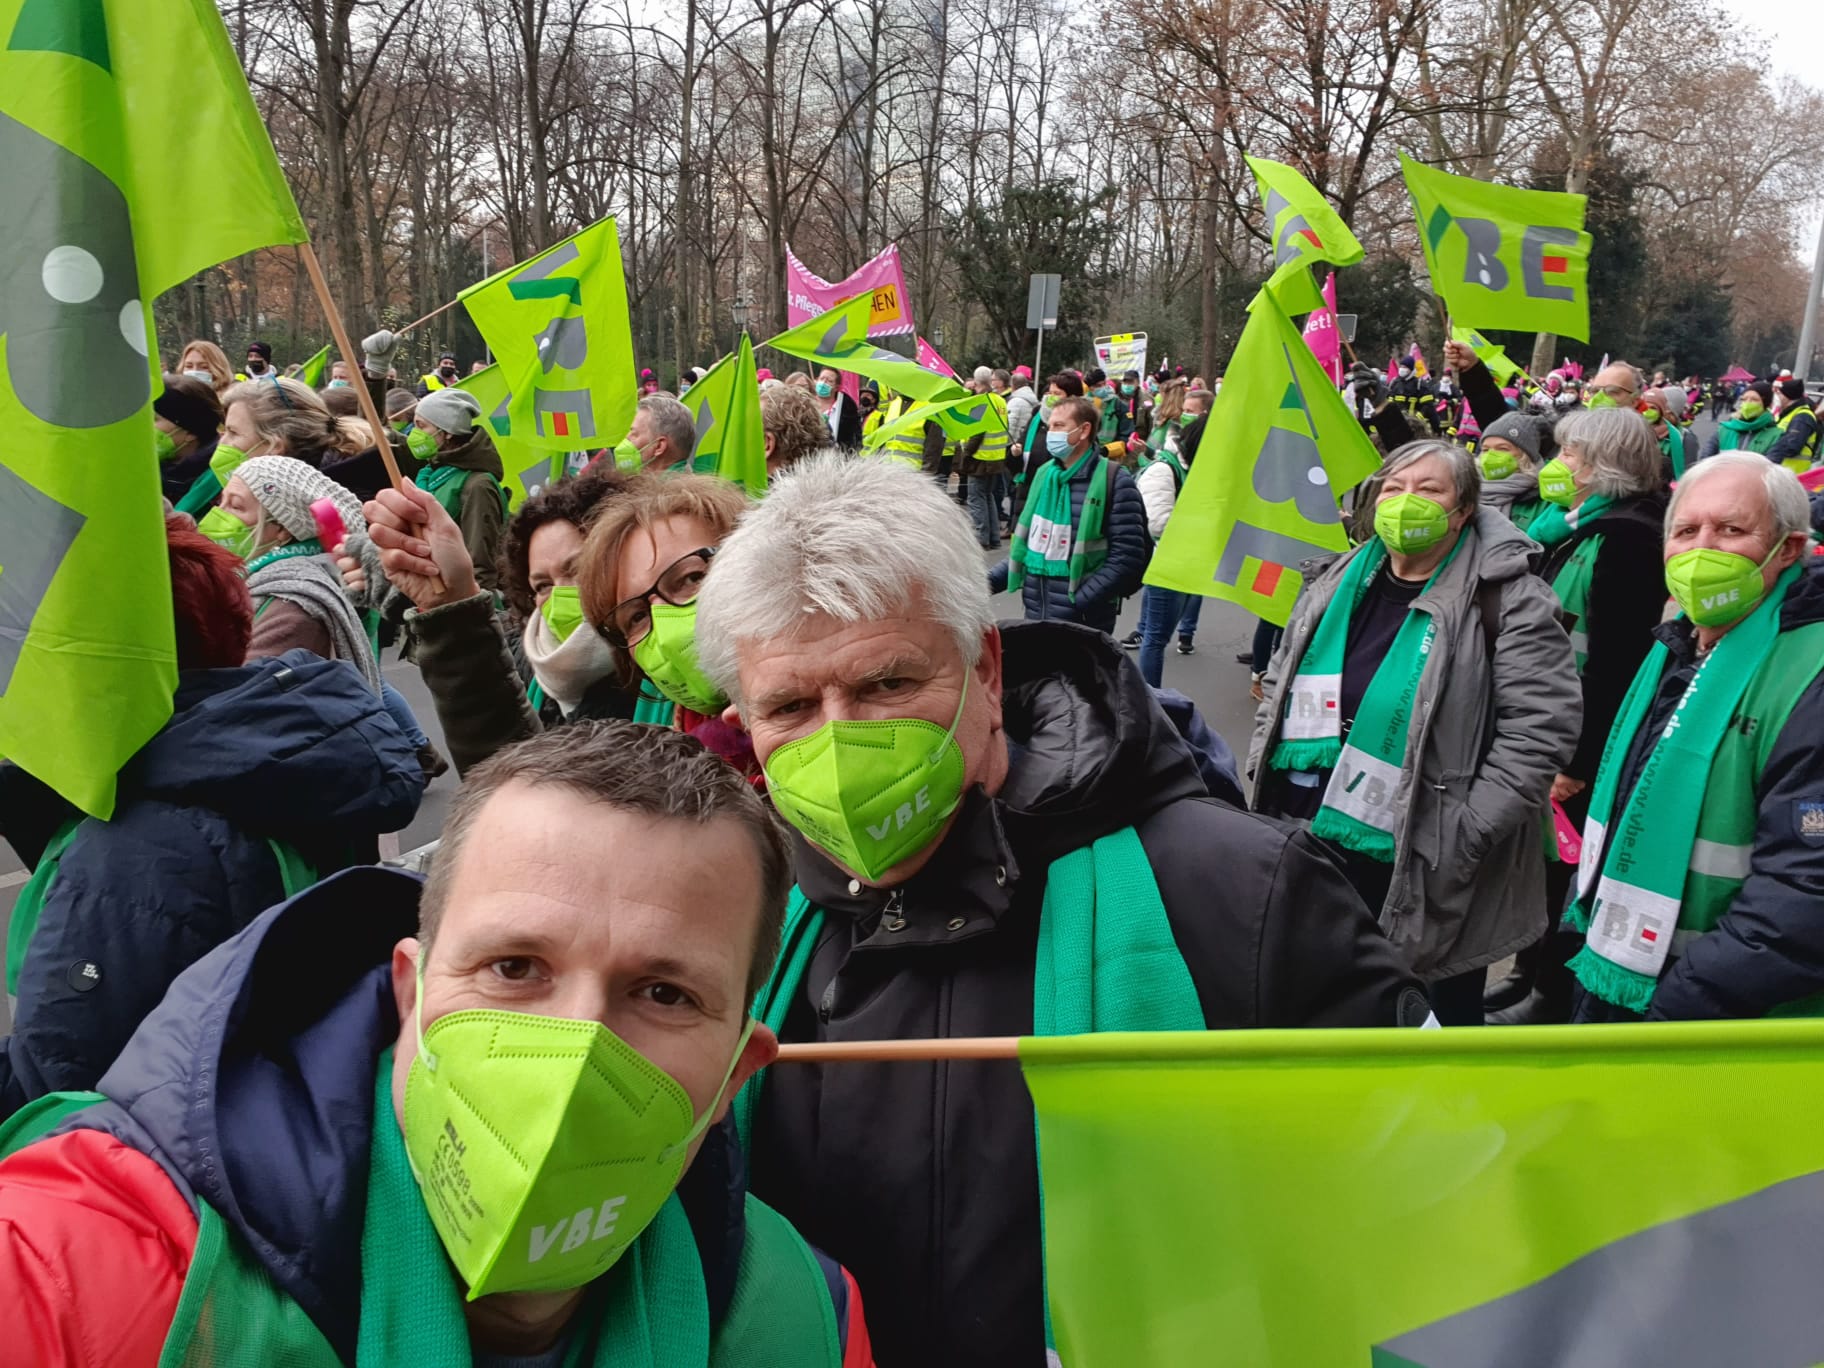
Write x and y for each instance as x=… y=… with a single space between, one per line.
x=191 y=414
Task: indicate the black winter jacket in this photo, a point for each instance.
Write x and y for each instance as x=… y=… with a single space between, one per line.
x=1627 y=600
x=294 y=747
x=1768 y=948
x=1097 y=604
x=921 y=1178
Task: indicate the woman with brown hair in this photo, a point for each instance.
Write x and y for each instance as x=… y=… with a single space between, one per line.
x=639 y=576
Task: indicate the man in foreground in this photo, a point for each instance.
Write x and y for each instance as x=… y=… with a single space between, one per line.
x=1703 y=854
x=338 y=1140
x=999 y=833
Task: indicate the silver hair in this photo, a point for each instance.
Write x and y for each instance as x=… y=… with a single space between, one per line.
x=855 y=539
x=1639 y=376
x=1786 y=497
x=1464 y=473
x=671 y=420
x=1618 y=449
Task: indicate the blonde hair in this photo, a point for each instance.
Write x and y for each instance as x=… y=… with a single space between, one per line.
x=797 y=424
x=291 y=413
x=215 y=361
x=1170 y=403
x=646 y=500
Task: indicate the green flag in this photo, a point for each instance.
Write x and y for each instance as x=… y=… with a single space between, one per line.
x=559 y=325
x=97 y=226
x=968 y=415
x=839 y=338
x=731 y=441
x=1264 y=498
x=1500 y=256
x=526 y=469
x=311 y=372
x=1500 y=365
x=1305 y=229
x=1434 y=1199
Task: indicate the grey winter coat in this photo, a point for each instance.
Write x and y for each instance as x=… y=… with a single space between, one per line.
x=1488 y=737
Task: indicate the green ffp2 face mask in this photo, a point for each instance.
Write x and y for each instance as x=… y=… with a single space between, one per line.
x=667 y=654
x=543 y=1146
x=562 y=610
x=1411 y=522
x=871 y=794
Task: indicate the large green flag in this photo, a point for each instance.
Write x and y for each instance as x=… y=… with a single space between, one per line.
x=311 y=372
x=93 y=97
x=526 y=469
x=1305 y=229
x=1500 y=256
x=966 y=416
x=559 y=325
x=731 y=441
x=1263 y=498
x=1600 y=1195
x=839 y=338
x=1503 y=367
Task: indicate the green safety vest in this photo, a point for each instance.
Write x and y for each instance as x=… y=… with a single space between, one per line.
x=230 y=1311
x=1802 y=462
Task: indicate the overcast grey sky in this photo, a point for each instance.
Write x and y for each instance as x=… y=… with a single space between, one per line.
x=1789 y=57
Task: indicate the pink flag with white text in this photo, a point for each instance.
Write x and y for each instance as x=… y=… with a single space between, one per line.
x=1321 y=335
x=931 y=361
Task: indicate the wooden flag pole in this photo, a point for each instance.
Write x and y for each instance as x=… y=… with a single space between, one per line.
x=419 y=323
x=886 y=1051
x=340 y=333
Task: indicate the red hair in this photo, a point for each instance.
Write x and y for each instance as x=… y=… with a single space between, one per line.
x=214 y=615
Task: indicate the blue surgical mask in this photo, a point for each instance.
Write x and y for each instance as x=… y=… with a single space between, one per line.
x=1057 y=444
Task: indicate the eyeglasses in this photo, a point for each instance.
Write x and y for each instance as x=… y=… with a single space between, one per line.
x=678 y=584
x=1615 y=392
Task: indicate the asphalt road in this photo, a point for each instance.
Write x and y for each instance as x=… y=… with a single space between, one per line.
x=1211 y=677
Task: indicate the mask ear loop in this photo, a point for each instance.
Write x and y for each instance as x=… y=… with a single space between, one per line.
x=702 y=1122
x=955 y=722
x=430 y=1059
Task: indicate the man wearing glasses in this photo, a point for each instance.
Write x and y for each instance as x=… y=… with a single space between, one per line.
x=1617 y=385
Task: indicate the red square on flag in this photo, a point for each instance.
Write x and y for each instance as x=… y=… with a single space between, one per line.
x=560 y=424
x=1266 y=579
x=1649 y=935
x=1555 y=263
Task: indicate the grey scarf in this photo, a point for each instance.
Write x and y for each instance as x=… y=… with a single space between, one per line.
x=311 y=582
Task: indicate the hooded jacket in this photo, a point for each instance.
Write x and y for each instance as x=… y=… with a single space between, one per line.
x=294 y=748
x=481 y=510
x=921 y=1177
x=1768 y=948
x=1047 y=598
x=251 y=1088
x=1488 y=736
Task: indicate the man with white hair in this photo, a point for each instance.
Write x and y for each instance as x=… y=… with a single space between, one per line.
x=998 y=833
x=664 y=432
x=1703 y=853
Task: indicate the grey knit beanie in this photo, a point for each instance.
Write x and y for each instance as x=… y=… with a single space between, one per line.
x=286 y=488
x=453 y=410
x=1518 y=428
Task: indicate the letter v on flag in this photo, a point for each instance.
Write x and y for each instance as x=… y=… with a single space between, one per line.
x=1304 y=229
x=1265 y=498
x=839 y=338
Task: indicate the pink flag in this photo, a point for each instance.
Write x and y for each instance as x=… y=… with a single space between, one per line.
x=1419 y=367
x=807 y=295
x=931 y=361
x=1468 y=427
x=1573 y=370
x=1321 y=335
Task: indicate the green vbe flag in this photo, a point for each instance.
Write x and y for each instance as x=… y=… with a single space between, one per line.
x=1264 y=499
x=1500 y=256
x=1620 y=1196
x=526 y=469
x=98 y=223
x=731 y=440
x=559 y=326
x=839 y=338
x=1305 y=229
x=1503 y=367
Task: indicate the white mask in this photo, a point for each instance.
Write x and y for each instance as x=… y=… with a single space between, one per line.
x=204 y=376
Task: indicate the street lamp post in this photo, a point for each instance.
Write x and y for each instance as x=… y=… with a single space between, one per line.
x=739 y=310
x=937 y=336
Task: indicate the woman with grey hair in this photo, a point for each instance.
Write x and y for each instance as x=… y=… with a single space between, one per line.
x=1421 y=701
x=1602 y=534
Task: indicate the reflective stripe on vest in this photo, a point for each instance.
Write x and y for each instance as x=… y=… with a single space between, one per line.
x=908 y=448
x=995 y=443
x=1810 y=449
